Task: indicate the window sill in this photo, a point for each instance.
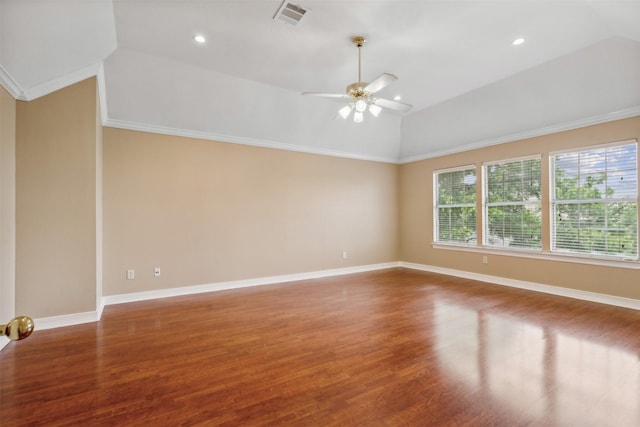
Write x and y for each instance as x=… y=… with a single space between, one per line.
x=633 y=264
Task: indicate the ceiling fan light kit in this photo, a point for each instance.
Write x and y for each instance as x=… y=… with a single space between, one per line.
x=361 y=93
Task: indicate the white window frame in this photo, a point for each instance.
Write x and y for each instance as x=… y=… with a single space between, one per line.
x=486 y=204
x=553 y=203
x=436 y=206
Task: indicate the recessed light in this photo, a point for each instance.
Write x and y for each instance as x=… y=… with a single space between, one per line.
x=397 y=97
x=199 y=38
x=517 y=41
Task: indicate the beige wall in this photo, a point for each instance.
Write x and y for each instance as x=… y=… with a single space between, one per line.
x=7 y=205
x=206 y=212
x=56 y=202
x=416 y=229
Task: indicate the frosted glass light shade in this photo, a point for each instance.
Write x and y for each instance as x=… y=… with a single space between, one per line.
x=374 y=109
x=345 y=111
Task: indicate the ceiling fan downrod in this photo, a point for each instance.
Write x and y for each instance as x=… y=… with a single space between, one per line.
x=356 y=90
x=359 y=41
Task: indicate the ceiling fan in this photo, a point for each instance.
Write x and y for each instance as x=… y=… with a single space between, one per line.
x=362 y=93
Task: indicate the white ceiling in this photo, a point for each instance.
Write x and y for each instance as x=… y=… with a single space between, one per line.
x=455 y=62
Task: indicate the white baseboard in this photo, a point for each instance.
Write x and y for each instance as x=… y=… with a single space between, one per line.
x=65 y=320
x=531 y=286
x=237 y=284
x=93 y=316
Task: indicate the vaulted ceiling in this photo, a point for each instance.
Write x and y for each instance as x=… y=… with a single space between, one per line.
x=455 y=63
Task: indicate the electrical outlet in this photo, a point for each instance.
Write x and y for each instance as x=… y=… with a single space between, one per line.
x=344 y=254
x=156 y=272
x=131 y=274
x=485 y=260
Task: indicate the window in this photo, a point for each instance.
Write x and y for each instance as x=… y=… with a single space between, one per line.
x=455 y=205
x=594 y=201
x=512 y=208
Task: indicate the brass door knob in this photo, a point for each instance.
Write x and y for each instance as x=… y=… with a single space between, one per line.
x=17 y=329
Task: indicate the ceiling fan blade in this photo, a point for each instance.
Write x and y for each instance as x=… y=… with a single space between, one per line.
x=393 y=105
x=326 y=95
x=381 y=82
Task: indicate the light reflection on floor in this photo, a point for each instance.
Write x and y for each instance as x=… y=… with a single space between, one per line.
x=536 y=372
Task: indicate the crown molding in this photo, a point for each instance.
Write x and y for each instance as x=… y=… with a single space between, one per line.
x=561 y=127
x=97 y=70
x=11 y=85
x=547 y=130
x=122 y=124
x=50 y=86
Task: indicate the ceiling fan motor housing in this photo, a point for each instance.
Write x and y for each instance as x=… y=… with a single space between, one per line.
x=356 y=90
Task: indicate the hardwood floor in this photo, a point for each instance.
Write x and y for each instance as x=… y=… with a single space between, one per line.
x=389 y=348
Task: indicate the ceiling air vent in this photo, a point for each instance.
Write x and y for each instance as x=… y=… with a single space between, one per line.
x=290 y=13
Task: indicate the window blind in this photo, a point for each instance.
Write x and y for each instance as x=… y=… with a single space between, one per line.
x=595 y=201
x=455 y=206
x=512 y=207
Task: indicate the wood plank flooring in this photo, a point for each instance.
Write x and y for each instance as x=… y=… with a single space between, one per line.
x=388 y=348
